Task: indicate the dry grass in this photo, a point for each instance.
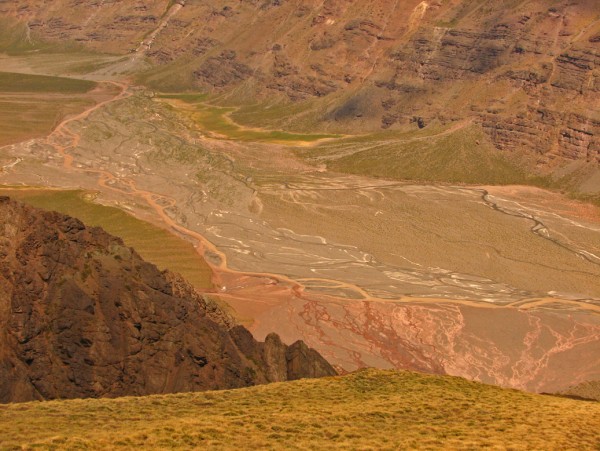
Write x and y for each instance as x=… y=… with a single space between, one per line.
x=370 y=409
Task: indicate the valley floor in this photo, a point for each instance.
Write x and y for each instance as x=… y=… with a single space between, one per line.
x=497 y=284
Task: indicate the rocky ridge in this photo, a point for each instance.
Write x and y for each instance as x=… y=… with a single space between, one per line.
x=82 y=315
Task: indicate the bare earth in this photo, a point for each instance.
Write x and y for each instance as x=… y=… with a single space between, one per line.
x=497 y=284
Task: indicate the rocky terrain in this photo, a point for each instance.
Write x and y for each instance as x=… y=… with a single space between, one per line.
x=524 y=71
x=82 y=315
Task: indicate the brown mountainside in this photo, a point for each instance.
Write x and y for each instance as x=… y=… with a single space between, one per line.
x=82 y=315
x=527 y=72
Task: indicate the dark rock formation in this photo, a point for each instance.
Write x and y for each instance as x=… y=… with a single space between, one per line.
x=282 y=362
x=223 y=70
x=82 y=315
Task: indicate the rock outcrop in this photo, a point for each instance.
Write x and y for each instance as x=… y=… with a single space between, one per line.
x=82 y=315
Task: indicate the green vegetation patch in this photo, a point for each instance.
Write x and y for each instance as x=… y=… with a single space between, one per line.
x=12 y=82
x=153 y=243
x=279 y=113
x=370 y=409
x=463 y=156
x=217 y=122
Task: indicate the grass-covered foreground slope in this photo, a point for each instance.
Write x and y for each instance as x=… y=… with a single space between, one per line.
x=370 y=409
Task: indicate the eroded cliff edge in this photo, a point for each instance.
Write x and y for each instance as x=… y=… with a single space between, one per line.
x=82 y=315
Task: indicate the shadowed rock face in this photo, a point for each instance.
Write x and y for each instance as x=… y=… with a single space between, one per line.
x=82 y=315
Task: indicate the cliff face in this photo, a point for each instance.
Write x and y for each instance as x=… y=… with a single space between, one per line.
x=81 y=315
x=526 y=71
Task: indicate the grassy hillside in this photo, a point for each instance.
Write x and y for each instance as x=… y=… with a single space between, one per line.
x=370 y=409
x=462 y=156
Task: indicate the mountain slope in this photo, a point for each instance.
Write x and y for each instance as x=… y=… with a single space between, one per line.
x=82 y=315
x=525 y=71
x=369 y=409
